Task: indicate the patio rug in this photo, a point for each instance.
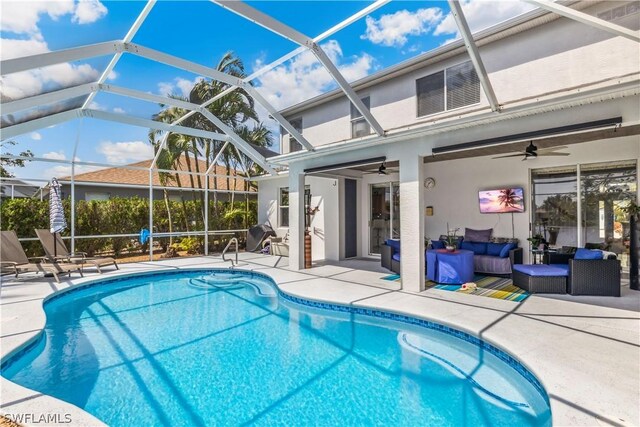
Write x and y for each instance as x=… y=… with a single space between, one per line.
x=488 y=286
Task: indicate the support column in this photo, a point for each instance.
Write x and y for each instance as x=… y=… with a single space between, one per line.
x=412 y=267
x=296 y=218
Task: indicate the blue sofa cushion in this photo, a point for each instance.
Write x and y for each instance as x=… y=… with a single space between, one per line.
x=588 y=254
x=394 y=243
x=545 y=270
x=494 y=249
x=396 y=256
x=478 y=248
x=504 y=253
x=437 y=244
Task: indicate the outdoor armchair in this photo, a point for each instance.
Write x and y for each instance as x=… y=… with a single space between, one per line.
x=594 y=277
x=13 y=259
x=56 y=250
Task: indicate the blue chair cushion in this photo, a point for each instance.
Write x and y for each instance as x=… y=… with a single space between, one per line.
x=564 y=267
x=394 y=243
x=478 y=248
x=494 y=249
x=504 y=253
x=437 y=244
x=396 y=256
x=538 y=270
x=588 y=254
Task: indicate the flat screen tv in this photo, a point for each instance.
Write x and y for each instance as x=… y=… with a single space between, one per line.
x=502 y=200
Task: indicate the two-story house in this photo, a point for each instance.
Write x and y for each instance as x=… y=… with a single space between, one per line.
x=568 y=88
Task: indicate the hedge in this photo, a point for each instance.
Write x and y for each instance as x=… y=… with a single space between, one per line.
x=122 y=216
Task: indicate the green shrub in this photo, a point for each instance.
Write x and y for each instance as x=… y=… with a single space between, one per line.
x=125 y=216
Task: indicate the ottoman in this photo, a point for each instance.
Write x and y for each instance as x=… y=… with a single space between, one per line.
x=541 y=278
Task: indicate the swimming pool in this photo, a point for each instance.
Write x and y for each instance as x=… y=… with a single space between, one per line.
x=220 y=347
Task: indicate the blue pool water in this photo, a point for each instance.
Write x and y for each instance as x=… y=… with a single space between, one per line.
x=221 y=348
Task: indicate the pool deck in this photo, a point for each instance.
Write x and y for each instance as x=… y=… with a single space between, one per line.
x=584 y=350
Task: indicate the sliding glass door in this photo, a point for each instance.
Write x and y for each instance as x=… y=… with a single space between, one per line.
x=583 y=205
x=606 y=190
x=384 y=219
x=555 y=205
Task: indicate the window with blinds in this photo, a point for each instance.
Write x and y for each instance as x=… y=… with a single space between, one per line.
x=430 y=90
x=463 y=86
x=455 y=87
x=359 y=126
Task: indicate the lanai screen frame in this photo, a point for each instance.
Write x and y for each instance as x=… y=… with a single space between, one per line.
x=228 y=136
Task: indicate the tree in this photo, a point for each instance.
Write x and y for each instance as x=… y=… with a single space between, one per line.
x=235 y=109
x=9 y=162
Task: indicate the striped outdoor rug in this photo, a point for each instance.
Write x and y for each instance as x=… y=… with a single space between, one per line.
x=488 y=286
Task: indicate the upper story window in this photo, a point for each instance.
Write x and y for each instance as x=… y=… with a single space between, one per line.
x=455 y=87
x=359 y=126
x=287 y=140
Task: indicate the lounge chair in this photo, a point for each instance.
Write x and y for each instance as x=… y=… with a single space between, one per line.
x=14 y=260
x=62 y=253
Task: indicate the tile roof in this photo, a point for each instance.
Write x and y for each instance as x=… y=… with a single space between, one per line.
x=138 y=177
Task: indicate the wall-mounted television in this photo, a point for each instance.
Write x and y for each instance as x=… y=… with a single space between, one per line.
x=502 y=200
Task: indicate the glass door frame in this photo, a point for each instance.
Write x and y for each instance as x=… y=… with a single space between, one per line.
x=390 y=185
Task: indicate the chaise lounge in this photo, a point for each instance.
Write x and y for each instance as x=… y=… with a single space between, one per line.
x=58 y=251
x=14 y=259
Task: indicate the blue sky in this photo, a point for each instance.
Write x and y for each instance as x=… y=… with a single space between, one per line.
x=202 y=32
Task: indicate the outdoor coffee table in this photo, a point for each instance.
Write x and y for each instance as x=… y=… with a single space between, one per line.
x=452 y=268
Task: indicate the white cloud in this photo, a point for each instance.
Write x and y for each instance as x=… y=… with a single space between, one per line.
x=95 y=106
x=36 y=136
x=112 y=75
x=125 y=152
x=118 y=110
x=178 y=86
x=303 y=77
x=55 y=155
x=481 y=14
x=393 y=29
x=63 y=171
x=22 y=17
x=88 y=11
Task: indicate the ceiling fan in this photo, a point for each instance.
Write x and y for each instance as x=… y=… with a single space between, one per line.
x=532 y=152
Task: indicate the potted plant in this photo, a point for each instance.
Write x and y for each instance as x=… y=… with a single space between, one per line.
x=536 y=240
x=452 y=239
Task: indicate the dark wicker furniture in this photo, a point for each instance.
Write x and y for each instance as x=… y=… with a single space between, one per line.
x=540 y=284
x=599 y=277
x=386 y=259
x=594 y=277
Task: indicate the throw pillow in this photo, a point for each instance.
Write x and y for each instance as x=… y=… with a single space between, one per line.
x=471 y=235
x=504 y=253
x=588 y=254
x=494 y=249
x=394 y=243
x=437 y=244
x=478 y=248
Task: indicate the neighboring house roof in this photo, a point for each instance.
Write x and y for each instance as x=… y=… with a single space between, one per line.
x=140 y=177
x=21 y=189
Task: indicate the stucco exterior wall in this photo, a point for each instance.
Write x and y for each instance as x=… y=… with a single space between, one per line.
x=544 y=60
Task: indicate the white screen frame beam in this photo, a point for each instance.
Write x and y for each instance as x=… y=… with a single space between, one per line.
x=474 y=54
x=273 y=25
x=585 y=18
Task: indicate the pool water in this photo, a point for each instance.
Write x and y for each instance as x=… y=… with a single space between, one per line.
x=221 y=348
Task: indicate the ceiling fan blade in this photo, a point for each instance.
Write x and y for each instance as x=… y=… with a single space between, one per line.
x=558 y=148
x=553 y=153
x=509 y=155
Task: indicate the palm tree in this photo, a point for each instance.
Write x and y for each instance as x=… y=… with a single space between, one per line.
x=508 y=198
x=235 y=109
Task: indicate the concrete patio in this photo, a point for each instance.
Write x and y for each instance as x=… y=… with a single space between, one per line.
x=584 y=350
